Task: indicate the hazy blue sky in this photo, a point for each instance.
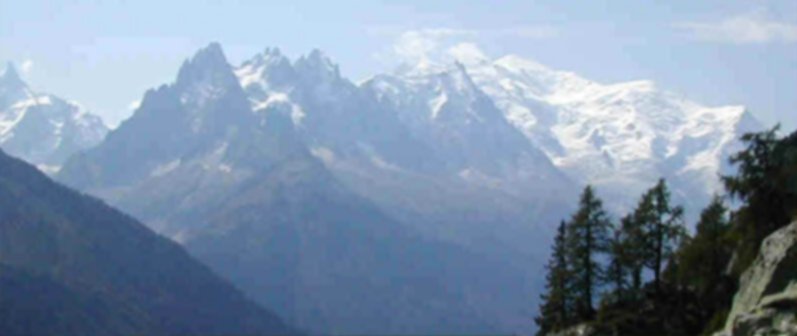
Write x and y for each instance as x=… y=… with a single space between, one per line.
x=105 y=54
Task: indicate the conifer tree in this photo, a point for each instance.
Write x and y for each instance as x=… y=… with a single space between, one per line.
x=766 y=182
x=703 y=259
x=555 y=308
x=617 y=270
x=588 y=236
x=663 y=228
x=634 y=249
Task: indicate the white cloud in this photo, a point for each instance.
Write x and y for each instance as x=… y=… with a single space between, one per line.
x=467 y=53
x=751 y=28
x=421 y=45
x=26 y=66
x=435 y=44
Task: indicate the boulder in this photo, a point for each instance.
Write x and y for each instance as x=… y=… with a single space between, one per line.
x=766 y=303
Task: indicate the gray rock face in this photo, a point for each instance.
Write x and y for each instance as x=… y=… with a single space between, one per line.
x=766 y=303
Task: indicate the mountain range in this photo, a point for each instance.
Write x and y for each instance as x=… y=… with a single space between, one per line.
x=416 y=201
x=242 y=191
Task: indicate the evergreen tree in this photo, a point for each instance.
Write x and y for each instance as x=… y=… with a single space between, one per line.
x=618 y=268
x=588 y=236
x=663 y=228
x=766 y=182
x=634 y=249
x=555 y=308
x=703 y=259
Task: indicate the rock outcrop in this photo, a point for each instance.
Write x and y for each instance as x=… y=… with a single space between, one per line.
x=766 y=303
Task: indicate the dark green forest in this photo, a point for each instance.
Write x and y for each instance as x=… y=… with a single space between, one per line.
x=646 y=274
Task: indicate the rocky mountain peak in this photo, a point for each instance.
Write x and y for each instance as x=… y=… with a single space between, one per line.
x=10 y=75
x=270 y=57
x=207 y=67
x=273 y=52
x=317 y=66
x=12 y=88
x=269 y=70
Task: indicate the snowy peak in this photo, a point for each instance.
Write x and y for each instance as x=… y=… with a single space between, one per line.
x=448 y=92
x=43 y=129
x=270 y=58
x=267 y=71
x=311 y=89
x=443 y=106
x=620 y=136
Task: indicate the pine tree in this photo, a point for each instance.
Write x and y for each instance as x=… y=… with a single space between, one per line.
x=703 y=259
x=663 y=228
x=617 y=270
x=555 y=308
x=588 y=236
x=766 y=181
x=712 y=242
x=634 y=248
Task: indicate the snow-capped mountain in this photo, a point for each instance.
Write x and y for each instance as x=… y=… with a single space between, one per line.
x=335 y=118
x=240 y=187
x=439 y=124
x=451 y=113
x=43 y=129
x=620 y=137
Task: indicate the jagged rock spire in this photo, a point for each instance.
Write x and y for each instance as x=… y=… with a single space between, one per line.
x=208 y=64
x=10 y=77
